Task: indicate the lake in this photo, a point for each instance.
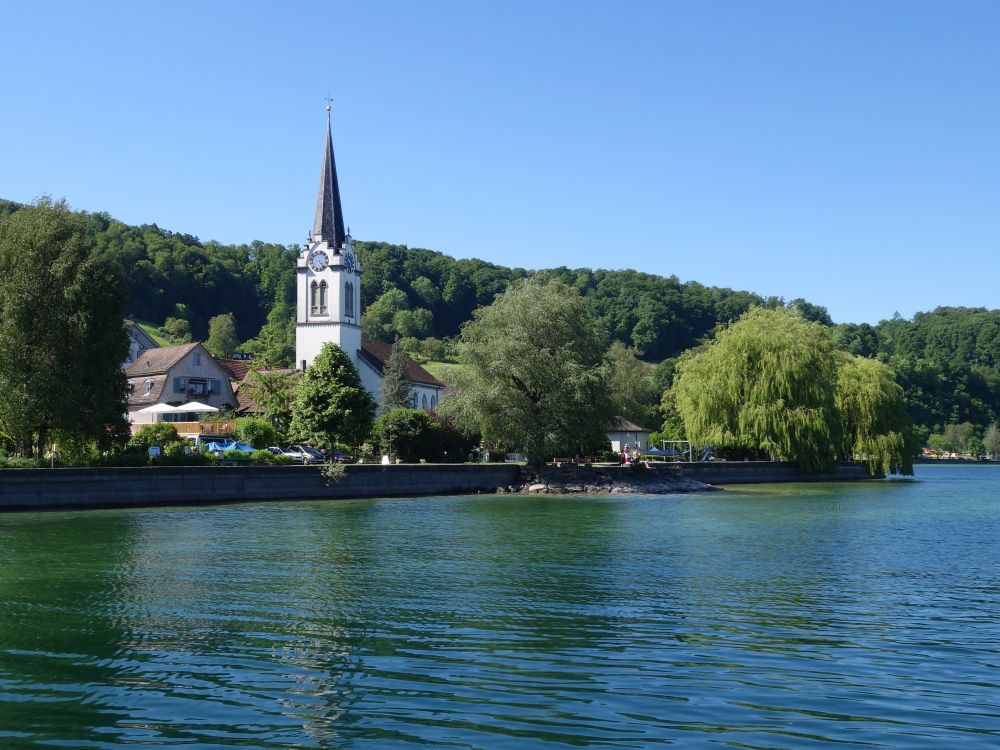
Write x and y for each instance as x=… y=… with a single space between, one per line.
x=781 y=616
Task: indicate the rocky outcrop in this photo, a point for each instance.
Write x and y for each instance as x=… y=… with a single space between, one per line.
x=612 y=480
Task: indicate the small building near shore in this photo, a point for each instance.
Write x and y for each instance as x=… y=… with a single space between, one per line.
x=630 y=434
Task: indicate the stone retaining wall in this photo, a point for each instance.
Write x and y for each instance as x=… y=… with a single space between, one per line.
x=201 y=485
x=187 y=485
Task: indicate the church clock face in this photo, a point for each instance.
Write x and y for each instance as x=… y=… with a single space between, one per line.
x=349 y=262
x=319 y=261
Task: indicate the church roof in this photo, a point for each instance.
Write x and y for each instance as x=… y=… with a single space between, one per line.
x=329 y=222
x=377 y=354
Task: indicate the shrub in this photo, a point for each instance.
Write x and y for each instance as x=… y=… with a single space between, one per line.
x=234 y=455
x=15 y=462
x=266 y=458
x=162 y=434
x=256 y=431
x=131 y=457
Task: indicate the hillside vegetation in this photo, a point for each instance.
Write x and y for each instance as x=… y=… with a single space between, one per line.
x=947 y=360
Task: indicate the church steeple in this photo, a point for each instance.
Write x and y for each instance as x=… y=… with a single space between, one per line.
x=329 y=223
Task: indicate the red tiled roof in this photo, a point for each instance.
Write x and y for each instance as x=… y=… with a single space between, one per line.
x=377 y=354
x=239 y=368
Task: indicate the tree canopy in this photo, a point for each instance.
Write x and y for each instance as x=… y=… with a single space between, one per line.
x=62 y=331
x=331 y=404
x=765 y=383
x=774 y=382
x=533 y=376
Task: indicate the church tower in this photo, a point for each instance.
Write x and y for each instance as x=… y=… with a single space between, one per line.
x=328 y=277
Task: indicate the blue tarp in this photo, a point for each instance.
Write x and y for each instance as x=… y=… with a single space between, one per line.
x=230 y=445
x=660 y=452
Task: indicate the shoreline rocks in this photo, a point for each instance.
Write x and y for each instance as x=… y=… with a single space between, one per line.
x=612 y=480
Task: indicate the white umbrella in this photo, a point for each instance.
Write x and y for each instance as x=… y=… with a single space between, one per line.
x=195 y=406
x=157 y=409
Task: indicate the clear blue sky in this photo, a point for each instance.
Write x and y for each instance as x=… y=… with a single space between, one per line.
x=845 y=152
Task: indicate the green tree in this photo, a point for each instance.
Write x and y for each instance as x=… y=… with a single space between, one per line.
x=331 y=404
x=377 y=320
x=396 y=389
x=257 y=431
x=976 y=447
x=991 y=441
x=62 y=330
x=533 y=375
x=176 y=330
x=222 y=340
x=876 y=428
x=630 y=384
x=957 y=437
x=765 y=383
x=410 y=434
x=936 y=443
x=273 y=392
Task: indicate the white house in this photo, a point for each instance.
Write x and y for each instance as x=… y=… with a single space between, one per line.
x=630 y=434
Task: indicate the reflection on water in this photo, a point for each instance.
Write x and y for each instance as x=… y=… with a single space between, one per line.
x=763 y=617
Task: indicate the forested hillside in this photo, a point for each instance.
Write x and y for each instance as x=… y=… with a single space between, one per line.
x=947 y=360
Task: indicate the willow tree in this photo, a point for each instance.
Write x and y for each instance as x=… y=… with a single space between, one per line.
x=533 y=375
x=765 y=383
x=876 y=428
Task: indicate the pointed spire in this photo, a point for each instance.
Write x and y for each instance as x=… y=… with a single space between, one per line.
x=329 y=223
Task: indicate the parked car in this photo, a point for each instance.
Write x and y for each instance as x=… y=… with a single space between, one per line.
x=294 y=455
x=309 y=454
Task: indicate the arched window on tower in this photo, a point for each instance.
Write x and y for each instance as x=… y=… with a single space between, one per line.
x=349 y=300
x=314 y=298
x=322 y=297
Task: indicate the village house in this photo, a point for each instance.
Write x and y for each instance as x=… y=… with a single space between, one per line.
x=177 y=375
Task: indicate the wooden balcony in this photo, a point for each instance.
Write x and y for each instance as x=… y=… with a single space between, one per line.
x=205 y=428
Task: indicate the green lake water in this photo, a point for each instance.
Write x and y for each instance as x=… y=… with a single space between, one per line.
x=781 y=616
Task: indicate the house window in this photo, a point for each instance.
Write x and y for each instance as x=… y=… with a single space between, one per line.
x=322 y=297
x=148 y=385
x=423 y=401
x=197 y=358
x=197 y=387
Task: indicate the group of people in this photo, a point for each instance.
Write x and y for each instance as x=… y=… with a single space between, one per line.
x=628 y=457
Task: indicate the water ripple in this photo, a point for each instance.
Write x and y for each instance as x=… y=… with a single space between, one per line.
x=782 y=617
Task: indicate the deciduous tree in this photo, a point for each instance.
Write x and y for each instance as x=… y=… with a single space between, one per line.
x=62 y=331
x=331 y=404
x=222 y=339
x=396 y=389
x=533 y=375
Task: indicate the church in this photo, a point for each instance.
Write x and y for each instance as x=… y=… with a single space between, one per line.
x=328 y=306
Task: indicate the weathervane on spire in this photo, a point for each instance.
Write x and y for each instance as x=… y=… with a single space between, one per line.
x=329 y=102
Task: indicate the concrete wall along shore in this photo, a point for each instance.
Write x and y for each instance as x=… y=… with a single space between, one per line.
x=22 y=489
